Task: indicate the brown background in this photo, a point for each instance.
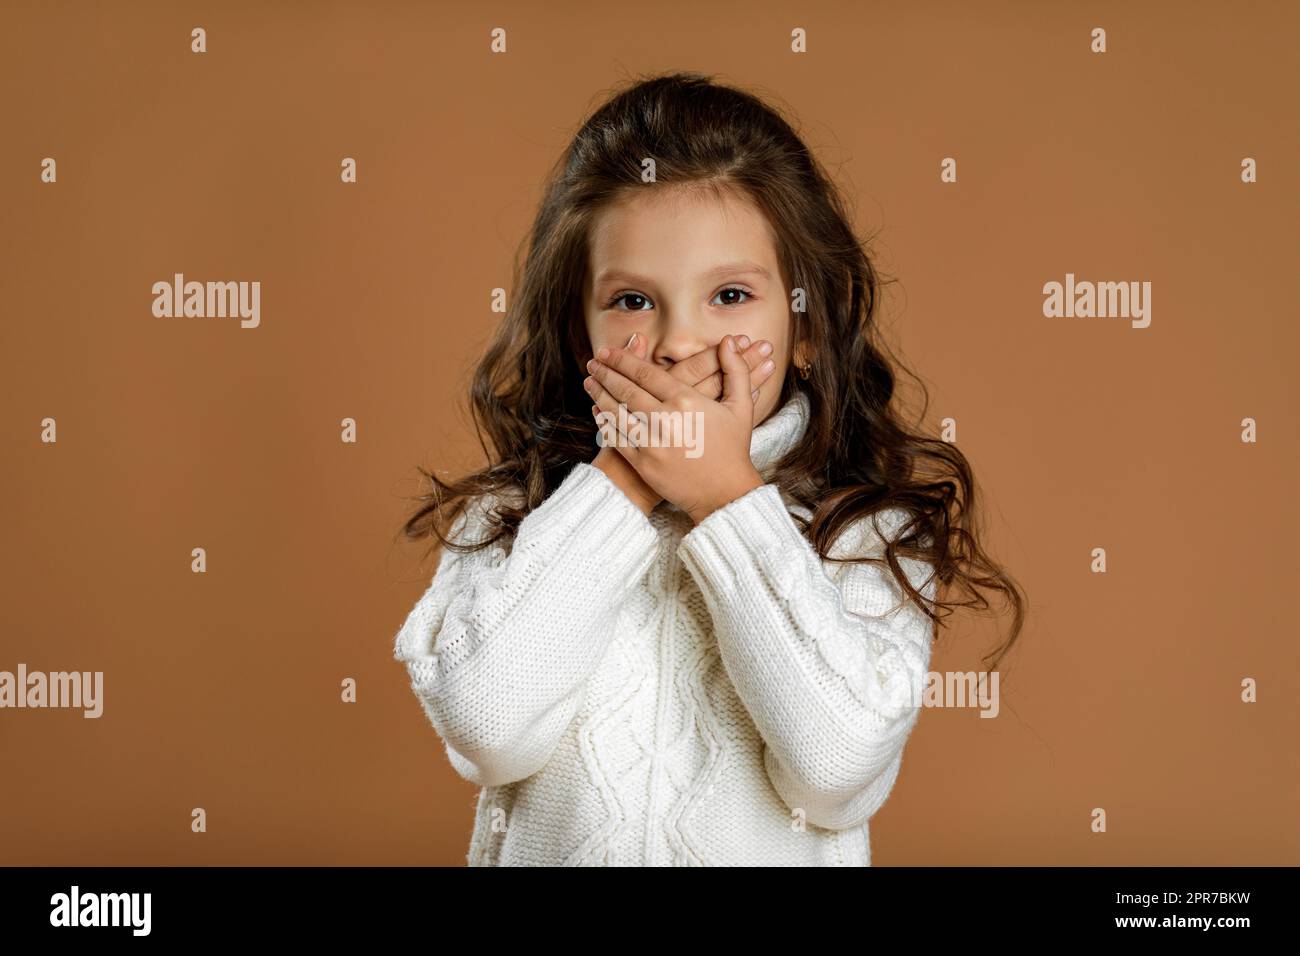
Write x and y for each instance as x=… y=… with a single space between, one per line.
x=222 y=689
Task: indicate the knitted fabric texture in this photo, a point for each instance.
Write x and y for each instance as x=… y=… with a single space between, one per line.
x=637 y=691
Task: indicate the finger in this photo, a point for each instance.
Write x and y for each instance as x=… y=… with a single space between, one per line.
x=639 y=345
x=613 y=420
x=643 y=385
x=755 y=356
x=759 y=372
x=759 y=376
x=612 y=424
x=636 y=344
x=698 y=367
x=736 y=390
x=604 y=379
x=601 y=396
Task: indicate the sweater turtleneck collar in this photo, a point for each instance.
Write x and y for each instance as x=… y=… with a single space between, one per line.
x=780 y=432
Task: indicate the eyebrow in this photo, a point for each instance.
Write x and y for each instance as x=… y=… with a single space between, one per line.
x=731 y=268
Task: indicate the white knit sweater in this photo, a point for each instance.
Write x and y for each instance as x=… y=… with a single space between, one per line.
x=640 y=691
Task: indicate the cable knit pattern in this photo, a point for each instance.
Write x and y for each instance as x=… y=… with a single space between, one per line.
x=637 y=691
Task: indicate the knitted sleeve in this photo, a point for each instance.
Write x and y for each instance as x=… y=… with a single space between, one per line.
x=500 y=646
x=826 y=657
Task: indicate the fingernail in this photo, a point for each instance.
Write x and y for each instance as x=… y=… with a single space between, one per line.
x=602 y=353
x=767 y=366
x=731 y=343
x=744 y=341
x=765 y=348
x=631 y=338
x=753 y=396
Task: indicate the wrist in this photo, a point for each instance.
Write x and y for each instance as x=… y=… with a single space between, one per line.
x=627 y=480
x=738 y=486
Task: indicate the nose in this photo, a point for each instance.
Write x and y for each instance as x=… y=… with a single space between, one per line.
x=680 y=337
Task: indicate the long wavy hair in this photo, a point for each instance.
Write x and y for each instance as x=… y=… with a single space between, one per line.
x=857 y=457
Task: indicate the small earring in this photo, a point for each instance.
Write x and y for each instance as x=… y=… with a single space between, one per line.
x=805 y=370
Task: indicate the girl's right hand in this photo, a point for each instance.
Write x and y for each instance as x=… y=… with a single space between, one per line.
x=700 y=370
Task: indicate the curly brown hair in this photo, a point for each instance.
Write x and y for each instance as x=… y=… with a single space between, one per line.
x=856 y=458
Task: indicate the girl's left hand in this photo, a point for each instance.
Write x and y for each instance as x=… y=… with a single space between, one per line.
x=698 y=479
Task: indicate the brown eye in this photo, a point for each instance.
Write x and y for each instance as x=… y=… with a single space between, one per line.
x=626 y=295
x=736 y=289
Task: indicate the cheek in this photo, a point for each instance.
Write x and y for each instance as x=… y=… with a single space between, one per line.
x=613 y=339
x=614 y=334
x=775 y=327
x=769 y=398
x=611 y=329
x=780 y=355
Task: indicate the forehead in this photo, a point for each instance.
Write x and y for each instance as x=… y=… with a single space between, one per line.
x=664 y=231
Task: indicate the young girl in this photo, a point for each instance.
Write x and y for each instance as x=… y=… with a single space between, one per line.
x=659 y=655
